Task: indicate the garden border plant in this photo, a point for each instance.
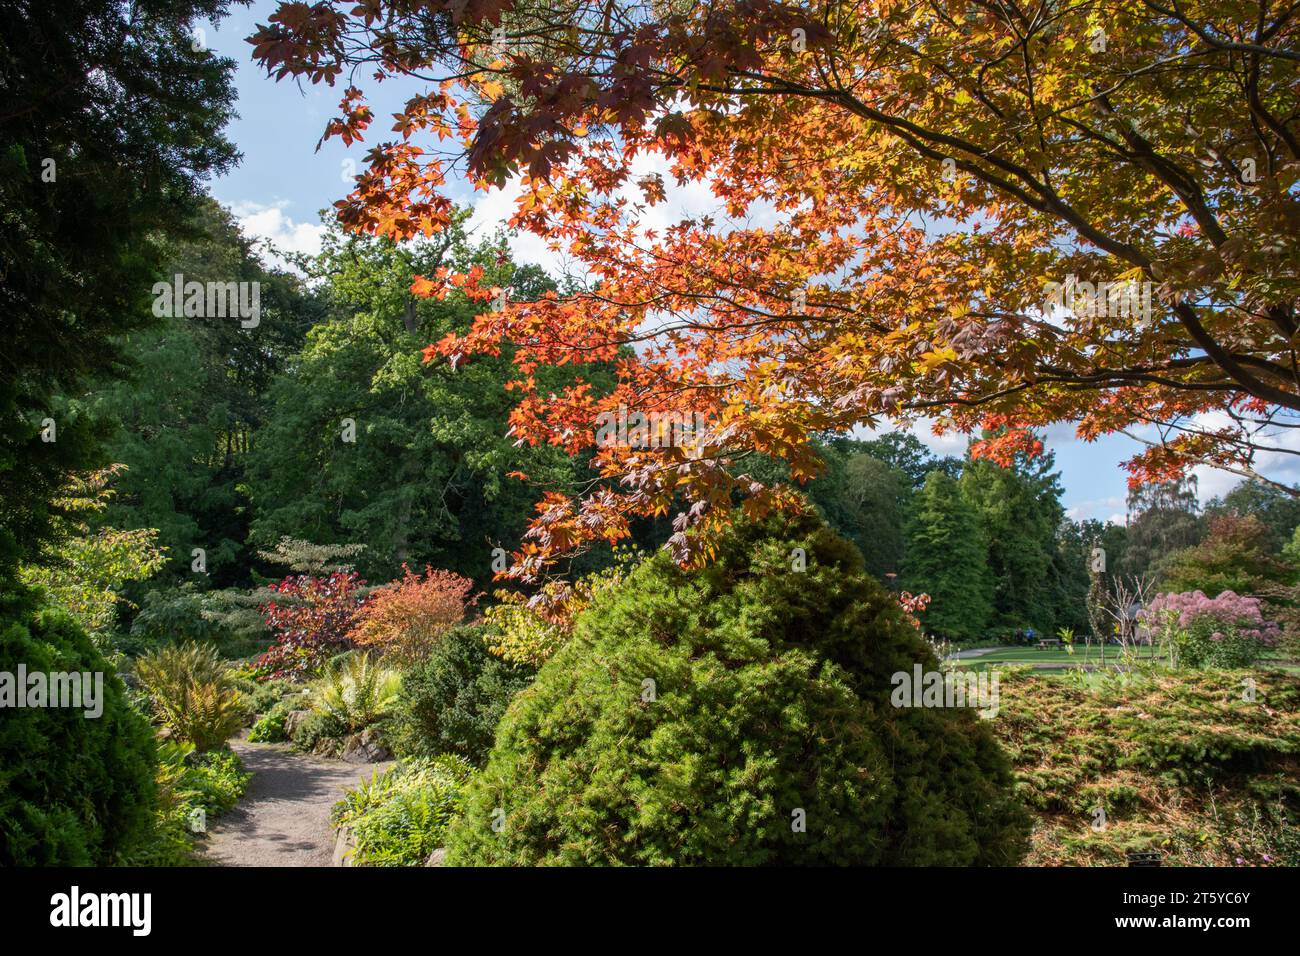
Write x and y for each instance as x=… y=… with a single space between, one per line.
x=73 y=791
x=768 y=707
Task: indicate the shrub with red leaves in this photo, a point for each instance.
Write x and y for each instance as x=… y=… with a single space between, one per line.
x=404 y=619
x=312 y=618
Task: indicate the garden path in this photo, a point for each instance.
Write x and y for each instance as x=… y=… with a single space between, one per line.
x=979 y=652
x=283 y=819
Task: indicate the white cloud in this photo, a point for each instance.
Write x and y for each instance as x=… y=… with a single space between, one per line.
x=271 y=224
x=1213 y=482
x=1059 y=433
x=493 y=209
x=1096 y=508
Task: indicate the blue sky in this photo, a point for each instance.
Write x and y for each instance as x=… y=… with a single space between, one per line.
x=283 y=183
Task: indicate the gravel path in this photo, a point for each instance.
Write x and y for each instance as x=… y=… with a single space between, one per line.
x=283 y=819
x=978 y=652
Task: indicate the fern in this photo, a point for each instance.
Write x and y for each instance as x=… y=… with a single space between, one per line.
x=355 y=692
x=193 y=693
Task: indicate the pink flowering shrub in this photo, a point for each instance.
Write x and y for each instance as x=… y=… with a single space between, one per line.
x=1225 y=631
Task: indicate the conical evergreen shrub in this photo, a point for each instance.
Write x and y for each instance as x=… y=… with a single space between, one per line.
x=740 y=715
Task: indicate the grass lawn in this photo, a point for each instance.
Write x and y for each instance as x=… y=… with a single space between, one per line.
x=1082 y=655
x=1050 y=655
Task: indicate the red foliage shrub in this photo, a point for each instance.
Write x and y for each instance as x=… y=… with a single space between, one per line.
x=404 y=619
x=311 y=618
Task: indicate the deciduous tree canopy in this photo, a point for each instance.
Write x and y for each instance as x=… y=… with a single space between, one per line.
x=899 y=186
x=110 y=114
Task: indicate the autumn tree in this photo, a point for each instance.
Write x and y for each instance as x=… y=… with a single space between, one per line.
x=1278 y=511
x=406 y=618
x=312 y=618
x=996 y=216
x=1235 y=556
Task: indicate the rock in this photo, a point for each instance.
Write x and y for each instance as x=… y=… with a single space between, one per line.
x=343 y=846
x=437 y=857
x=294 y=721
x=365 y=747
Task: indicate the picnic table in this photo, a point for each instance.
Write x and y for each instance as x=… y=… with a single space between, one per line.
x=1047 y=642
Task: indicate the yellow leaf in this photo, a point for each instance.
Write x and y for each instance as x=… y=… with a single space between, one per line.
x=934 y=359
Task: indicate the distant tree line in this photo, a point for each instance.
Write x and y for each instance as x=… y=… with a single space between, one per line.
x=324 y=425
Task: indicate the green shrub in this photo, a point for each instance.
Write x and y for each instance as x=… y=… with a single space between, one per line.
x=73 y=791
x=175 y=614
x=354 y=693
x=219 y=782
x=452 y=701
x=168 y=841
x=314 y=731
x=271 y=727
x=262 y=696
x=1199 y=765
x=193 y=693
x=770 y=703
x=401 y=817
x=188 y=782
x=1206 y=643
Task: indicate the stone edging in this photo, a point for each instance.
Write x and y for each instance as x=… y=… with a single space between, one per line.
x=343 y=847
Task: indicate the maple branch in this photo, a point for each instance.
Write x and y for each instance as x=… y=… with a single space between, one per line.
x=1035 y=194
x=1230 y=363
x=1241 y=471
x=1224 y=45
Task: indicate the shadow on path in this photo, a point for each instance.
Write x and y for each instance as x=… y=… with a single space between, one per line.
x=283 y=819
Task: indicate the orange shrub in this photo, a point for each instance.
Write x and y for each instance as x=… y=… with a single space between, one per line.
x=405 y=618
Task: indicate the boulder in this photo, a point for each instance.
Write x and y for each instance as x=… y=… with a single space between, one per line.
x=293 y=721
x=365 y=747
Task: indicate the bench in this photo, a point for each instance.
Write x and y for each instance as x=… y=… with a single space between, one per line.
x=1047 y=642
